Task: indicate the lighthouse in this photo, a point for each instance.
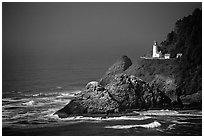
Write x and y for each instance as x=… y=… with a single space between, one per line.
x=155 y=53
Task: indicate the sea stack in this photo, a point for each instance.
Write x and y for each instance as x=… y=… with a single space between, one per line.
x=122 y=64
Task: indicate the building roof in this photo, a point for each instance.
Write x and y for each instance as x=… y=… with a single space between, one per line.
x=167 y=54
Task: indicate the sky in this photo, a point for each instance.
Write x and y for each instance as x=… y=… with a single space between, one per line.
x=87 y=30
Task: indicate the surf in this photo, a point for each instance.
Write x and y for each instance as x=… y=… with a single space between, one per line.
x=149 y=125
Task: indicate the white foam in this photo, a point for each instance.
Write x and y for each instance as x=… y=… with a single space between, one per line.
x=59 y=87
x=65 y=95
x=159 y=112
x=101 y=118
x=171 y=126
x=30 y=103
x=128 y=118
x=43 y=94
x=38 y=94
x=69 y=94
x=166 y=112
x=150 y=125
x=178 y=122
x=22 y=115
x=189 y=115
x=5 y=107
x=60 y=102
x=12 y=100
x=52 y=116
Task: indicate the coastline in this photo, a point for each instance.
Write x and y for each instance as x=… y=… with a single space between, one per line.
x=90 y=125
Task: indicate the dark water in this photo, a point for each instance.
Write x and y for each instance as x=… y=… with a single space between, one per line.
x=29 y=73
x=33 y=89
x=33 y=114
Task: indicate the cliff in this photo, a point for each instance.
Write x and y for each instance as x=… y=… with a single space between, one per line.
x=122 y=64
x=186 y=39
x=185 y=73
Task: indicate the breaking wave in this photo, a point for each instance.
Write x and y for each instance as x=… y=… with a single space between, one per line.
x=29 y=107
x=30 y=103
x=101 y=118
x=159 y=112
x=150 y=125
x=166 y=112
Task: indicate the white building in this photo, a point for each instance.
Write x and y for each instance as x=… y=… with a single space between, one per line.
x=155 y=53
x=167 y=56
x=178 y=55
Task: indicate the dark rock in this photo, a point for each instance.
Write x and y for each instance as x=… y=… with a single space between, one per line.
x=94 y=85
x=192 y=100
x=74 y=107
x=166 y=85
x=120 y=66
x=124 y=92
x=88 y=101
x=169 y=89
x=128 y=91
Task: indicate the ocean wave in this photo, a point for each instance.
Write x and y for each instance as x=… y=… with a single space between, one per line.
x=12 y=100
x=158 y=112
x=44 y=102
x=73 y=118
x=43 y=94
x=66 y=95
x=49 y=113
x=58 y=94
x=40 y=99
x=70 y=94
x=150 y=125
x=100 y=118
x=192 y=115
x=171 y=126
x=29 y=103
x=19 y=116
x=128 y=118
x=166 y=112
x=181 y=122
x=6 y=114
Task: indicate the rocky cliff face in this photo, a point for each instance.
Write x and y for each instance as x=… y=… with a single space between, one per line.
x=119 y=66
x=123 y=93
x=185 y=71
x=187 y=39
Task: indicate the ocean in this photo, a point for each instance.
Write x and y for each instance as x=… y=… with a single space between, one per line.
x=35 y=88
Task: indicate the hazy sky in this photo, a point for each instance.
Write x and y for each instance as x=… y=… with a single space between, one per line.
x=87 y=29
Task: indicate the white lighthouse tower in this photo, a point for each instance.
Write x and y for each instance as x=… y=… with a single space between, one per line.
x=155 y=53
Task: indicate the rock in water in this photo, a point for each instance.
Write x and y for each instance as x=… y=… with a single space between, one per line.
x=124 y=92
x=89 y=101
x=74 y=107
x=128 y=91
x=120 y=66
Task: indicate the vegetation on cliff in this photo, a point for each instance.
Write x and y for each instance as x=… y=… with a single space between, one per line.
x=187 y=70
x=187 y=39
